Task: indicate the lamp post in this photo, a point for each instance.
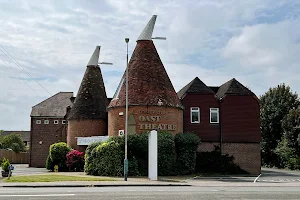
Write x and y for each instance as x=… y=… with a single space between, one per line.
x=126 y=117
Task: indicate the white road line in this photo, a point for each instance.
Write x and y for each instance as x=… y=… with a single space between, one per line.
x=256 y=178
x=36 y=195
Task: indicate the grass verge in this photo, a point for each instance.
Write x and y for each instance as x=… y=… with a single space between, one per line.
x=54 y=178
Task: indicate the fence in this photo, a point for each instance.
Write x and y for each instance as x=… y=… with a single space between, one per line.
x=15 y=158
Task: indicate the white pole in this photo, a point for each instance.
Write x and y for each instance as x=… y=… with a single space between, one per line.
x=152 y=156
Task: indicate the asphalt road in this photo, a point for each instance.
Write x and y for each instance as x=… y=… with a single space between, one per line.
x=188 y=193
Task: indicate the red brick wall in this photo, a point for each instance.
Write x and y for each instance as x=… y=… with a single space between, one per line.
x=167 y=115
x=205 y=130
x=240 y=119
x=48 y=134
x=246 y=155
x=85 y=128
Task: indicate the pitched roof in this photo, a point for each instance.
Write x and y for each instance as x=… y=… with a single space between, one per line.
x=25 y=135
x=91 y=101
x=54 y=106
x=148 y=81
x=233 y=87
x=195 y=86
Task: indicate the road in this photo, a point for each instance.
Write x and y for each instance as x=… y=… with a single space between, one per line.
x=168 y=193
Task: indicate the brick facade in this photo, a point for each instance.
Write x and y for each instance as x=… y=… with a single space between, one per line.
x=84 y=128
x=167 y=118
x=246 y=155
x=42 y=136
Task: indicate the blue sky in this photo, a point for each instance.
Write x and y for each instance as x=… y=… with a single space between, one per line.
x=257 y=42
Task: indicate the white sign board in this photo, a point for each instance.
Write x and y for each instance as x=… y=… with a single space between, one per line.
x=152 y=156
x=90 y=140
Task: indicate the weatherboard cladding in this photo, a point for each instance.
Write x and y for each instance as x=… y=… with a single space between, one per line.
x=91 y=100
x=148 y=81
x=54 y=106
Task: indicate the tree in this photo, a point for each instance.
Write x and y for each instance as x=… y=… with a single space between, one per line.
x=274 y=106
x=13 y=141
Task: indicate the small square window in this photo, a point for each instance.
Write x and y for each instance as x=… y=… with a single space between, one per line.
x=55 y=121
x=38 y=121
x=195 y=115
x=46 y=121
x=214 y=115
x=63 y=121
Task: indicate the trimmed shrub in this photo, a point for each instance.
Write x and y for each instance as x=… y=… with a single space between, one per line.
x=75 y=160
x=58 y=152
x=49 y=164
x=166 y=155
x=89 y=166
x=186 y=149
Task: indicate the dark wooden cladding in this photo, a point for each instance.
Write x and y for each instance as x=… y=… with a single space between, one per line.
x=240 y=119
x=206 y=131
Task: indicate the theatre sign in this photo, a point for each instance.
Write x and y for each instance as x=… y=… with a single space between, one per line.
x=83 y=141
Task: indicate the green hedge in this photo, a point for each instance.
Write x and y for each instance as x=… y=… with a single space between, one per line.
x=186 y=148
x=106 y=159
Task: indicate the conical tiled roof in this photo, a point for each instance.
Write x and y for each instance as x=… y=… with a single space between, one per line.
x=195 y=86
x=233 y=87
x=148 y=81
x=91 y=101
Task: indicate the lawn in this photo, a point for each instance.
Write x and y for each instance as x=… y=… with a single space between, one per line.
x=54 y=178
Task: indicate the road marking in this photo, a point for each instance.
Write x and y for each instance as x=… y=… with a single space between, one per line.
x=36 y=195
x=256 y=178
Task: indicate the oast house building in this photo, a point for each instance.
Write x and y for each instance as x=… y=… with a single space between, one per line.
x=226 y=116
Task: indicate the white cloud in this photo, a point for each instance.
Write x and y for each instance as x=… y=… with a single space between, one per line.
x=214 y=40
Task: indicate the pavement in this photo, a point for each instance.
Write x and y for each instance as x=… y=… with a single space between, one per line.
x=268 y=178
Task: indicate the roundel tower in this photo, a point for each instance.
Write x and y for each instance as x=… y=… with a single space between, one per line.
x=153 y=103
x=88 y=115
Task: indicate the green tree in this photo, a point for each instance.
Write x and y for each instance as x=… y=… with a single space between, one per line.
x=13 y=141
x=274 y=106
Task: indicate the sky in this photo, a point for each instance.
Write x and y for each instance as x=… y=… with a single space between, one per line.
x=256 y=41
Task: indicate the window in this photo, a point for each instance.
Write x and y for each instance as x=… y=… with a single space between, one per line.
x=195 y=115
x=214 y=115
x=38 y=121
x=63 y=121
x=46 y=121
x=55 y=121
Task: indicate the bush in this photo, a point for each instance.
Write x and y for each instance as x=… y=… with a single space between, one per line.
x=49 y=164
x=5 y=164
x=58 y=152
x=186 y=148
x=13 y=141
x=213 y=162
x=75 y=160
x=106 y=159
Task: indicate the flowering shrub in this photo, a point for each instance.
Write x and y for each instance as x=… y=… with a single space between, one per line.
x=75 y=160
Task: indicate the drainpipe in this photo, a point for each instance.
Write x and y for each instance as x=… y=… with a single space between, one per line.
x=220 y=125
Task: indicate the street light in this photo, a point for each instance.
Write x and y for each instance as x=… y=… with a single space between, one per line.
x=126 y=117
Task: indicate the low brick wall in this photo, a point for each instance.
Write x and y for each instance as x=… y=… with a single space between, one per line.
x=246 y=155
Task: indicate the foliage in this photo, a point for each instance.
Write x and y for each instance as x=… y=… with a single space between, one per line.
x=213 y=162
x=58 y=152
x=274 y=105
x=5 y=164
x=186 y=147
x=14 y=142
x=49 y=164
x=75 y=160
x=89 y=166
x=166 y=156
